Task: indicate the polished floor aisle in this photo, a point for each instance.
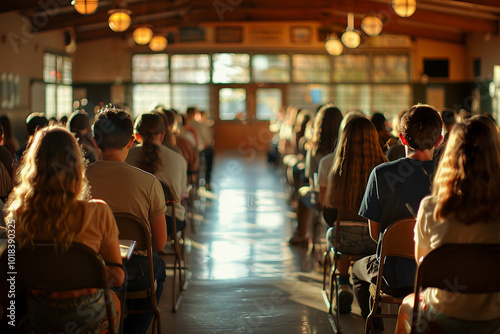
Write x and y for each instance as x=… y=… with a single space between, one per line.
x=245 y=277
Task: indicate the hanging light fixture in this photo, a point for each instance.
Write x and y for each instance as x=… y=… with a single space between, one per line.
x=85 y=7
x=404 y=8
x=333 y=46
x=350 y=38
x=119 y=19
x=142 y=35
x=372 y=25
x=158 y=43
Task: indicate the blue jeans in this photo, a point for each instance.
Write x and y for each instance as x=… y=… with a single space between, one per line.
x=354 y=240
x=137 y=280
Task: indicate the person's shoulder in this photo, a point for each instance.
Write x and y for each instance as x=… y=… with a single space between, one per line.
x=96 y=205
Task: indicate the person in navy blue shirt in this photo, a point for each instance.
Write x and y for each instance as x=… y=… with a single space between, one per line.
x=392 y=188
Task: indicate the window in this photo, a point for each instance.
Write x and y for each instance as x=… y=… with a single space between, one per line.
x=231 y=68
x=232 y=104
x=150 y=68
x=350 y=68
x=390 y=99
x=269 y=102
x=308 y=96
x=184 y=96
x=58 y=76
x=390 y=68
x=146 y=97
x=349 y=97
x=271 y=68
x=190 y=68
x=311 y=68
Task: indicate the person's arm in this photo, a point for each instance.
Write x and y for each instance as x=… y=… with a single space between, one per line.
x=374 y=228
x=110 y=253
x=158 y=232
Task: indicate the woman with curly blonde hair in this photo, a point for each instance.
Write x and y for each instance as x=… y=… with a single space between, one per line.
x=462 y=208
x=51 y=203
x=357 y=153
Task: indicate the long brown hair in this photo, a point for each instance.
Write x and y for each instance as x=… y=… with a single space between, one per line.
x=148 y=126
x=357 y=153
x=51 y=181
x=326 y=129
x=466 y=183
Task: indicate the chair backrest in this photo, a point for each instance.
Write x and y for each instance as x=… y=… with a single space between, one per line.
x=45 y=268
x=170 y=197
x=476 y=268
x=397 y=239
x=459 y=268
x=132 y=228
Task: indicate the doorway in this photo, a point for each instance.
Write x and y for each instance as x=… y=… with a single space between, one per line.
x=243 y=116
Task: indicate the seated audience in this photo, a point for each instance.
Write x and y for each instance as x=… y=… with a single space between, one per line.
x=380 y=122
x=128 y=189
x=461 y=209
x=51 y=204
x=326 y=127
x=357 y=153
x=168 y=166
x=396 y=149
x=392 y=186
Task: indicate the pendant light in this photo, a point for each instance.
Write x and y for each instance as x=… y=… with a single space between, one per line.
x=333 y=46
x=119 y=19
x=142 y=35
x=85 y=7
x=158 y=43
x=350 y=38
x=404 y=8
x=372 y=25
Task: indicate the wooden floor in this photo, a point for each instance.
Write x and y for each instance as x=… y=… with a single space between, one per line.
x=245 y=278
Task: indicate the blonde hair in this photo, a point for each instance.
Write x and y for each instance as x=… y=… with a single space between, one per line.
x=45 y=204
x=357 y=153
x=466 y=184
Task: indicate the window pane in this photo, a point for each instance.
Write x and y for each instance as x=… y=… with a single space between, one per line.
x=308 y=96
x=190 y=68
x=232 y=104
x=390 y=68
x=150 y=68
x=64 y=101
x=50 y=101
x=271 y=68
x=391 y=99
x=269 y=102
x=311 y=68
x=184 y=96
x=146 y=97
x=67 y=71
x=49 y=68
x=350 y=68
x=349 y=97
x=231 y=68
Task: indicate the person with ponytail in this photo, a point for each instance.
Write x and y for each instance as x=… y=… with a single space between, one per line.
x=167 y=165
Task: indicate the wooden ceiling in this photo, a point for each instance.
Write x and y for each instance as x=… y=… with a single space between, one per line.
x=445 y=20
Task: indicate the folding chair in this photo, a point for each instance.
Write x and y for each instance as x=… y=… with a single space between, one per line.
x=330 y=261
x=43 y=267
x=176 y=253
x=473 y=268
x=132 y=228
x=397 y=240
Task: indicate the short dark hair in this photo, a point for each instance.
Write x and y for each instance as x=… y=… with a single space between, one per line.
x=113 y=129
x=378 y=119
x=421 y=126
x=78 y=121
x=191 y=110
x=34 y=122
